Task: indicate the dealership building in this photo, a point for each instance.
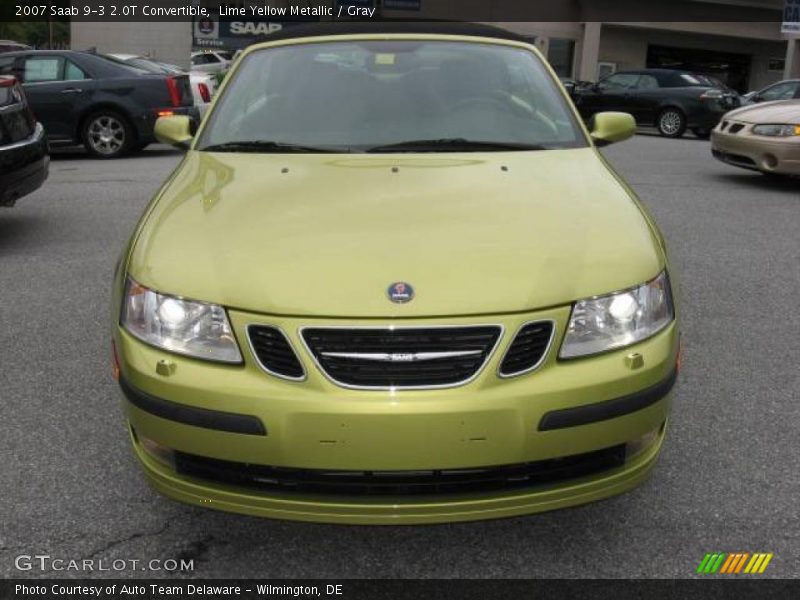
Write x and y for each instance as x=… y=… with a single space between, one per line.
x=746 y=55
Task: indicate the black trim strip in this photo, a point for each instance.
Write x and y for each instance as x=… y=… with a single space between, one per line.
x=608 y=409
x=190 y=415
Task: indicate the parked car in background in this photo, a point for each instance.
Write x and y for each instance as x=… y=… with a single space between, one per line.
x=569 y=84
x=12 y=46
x=203 y=84
x=670 y=100
x=82 y=98
x=788 y=89
x=761 y=137
x=211 y=61
x=24 y=161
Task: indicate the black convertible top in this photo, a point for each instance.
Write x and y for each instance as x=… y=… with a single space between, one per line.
x=429 y=27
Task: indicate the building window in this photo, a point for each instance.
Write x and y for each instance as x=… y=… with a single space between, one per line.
x=604 y=69
x=777 y=64
x=560 y=53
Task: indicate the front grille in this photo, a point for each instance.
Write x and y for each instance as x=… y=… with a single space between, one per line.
x=274 y=353
x=736 y=159
x=528 y=349
x=405 y=357
x=735 y=128
x=400 y=483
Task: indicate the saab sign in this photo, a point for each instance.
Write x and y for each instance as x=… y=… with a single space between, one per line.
x=224 y=33
x=253 y=28
x=206 y=28
x=791 y=17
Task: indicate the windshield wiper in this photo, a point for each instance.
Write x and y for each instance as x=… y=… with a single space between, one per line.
x=268 y=146
x=454 y=145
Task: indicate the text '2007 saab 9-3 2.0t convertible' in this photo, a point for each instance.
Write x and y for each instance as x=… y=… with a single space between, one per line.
x=394 y=281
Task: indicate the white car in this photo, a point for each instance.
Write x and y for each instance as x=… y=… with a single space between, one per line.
x=211 y=61
x=203 y=84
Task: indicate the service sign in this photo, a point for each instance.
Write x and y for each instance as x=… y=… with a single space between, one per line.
x=791 y=17
x=235 y=34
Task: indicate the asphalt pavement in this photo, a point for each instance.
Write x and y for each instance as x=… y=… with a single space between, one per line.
x=728 y=479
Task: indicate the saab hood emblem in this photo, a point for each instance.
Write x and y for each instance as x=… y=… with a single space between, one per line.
x=400 y=292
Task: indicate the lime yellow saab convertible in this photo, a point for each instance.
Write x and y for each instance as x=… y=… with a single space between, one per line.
x=394 y=281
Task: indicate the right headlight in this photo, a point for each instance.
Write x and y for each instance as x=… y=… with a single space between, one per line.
x=618 y=320
x=777 y=130
x=196 y=329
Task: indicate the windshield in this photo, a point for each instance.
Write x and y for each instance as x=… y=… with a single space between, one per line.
x=147 y=65
x=358 y=96
x=693 y=79
x=170 y=68
x=127 y=64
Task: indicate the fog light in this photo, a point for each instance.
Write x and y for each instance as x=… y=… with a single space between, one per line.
x=162 y=454
x=640 y=444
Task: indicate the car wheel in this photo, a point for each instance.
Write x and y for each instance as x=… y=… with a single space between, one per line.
x=107 y=134
x=703 y=134
x=671 y=123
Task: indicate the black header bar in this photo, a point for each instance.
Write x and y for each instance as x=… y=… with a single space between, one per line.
x=446 y=10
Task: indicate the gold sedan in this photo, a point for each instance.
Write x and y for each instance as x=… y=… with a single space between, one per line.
x=764 y=137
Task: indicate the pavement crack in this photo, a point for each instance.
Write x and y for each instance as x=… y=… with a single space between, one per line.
x=195 y=550
x=134 y=536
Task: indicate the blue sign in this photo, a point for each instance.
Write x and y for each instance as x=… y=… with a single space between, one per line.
x=358 y=3
x=402 y=4
x=791 y=17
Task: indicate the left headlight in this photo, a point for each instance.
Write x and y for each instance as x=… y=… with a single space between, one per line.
x=777 y=130
x=618 y=320
x=187 y=327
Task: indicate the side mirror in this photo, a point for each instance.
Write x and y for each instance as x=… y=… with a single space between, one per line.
x=611 y=127
x=756 y=98
x=175 y=131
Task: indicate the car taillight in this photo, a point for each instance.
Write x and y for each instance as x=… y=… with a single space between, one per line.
x=19 y=96
x=174 y=91
x=204 y=93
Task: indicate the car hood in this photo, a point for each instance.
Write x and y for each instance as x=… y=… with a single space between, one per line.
x=781 y=111
x=325 y=235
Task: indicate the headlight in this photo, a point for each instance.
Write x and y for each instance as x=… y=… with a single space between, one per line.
x=193 y=328
x=618 y=320
x=777 y=130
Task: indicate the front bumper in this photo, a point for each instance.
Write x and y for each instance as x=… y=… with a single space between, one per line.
x=244 y=415
x=754 y=152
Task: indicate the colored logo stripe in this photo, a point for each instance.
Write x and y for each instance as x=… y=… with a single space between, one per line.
x=734 y=562
x=758 y=563
x=711 y=562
